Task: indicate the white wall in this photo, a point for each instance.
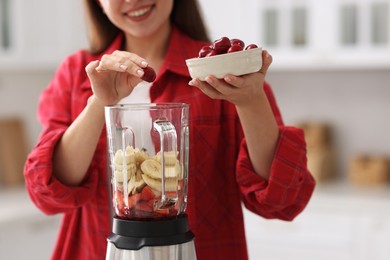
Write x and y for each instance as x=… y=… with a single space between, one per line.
x=19 y=93
x=355 y=103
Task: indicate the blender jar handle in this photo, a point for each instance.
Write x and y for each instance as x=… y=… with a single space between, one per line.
x=126 y=134
x=168 y=138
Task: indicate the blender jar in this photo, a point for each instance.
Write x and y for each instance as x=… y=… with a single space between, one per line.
x=148 y=150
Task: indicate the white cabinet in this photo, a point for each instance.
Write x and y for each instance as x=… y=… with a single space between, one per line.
x=309 y=34
x=39 y=34
x=340 y=222
x=327 y=34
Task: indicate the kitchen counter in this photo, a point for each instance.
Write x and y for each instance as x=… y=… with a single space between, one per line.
x=25 y=232
x=340 y=222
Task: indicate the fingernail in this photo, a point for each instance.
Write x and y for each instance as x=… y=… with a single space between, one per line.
x=123 y=67
x=192 y=83
x=209 y=80
x=140 y=72
x=144 y=63
x=228 y=79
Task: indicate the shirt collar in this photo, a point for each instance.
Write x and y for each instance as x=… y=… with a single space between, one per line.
x=181 y=47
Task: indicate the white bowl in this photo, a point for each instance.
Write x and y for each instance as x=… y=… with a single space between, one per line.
x=235 y=63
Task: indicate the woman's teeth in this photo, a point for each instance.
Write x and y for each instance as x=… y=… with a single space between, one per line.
x=139 y=12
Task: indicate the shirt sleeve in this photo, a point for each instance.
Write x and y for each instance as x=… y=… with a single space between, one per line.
x=290 y=185
x=54 y=113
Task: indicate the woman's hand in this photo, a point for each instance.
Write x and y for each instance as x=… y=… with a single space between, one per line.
x=240 y=91
x=253 y=108
x=115 y=76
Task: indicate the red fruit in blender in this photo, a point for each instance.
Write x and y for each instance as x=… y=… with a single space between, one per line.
x=149 y=74
x=147 y=194
x=163 y=212
x=237 y=41
x=205 y=50
x=134 y=199
x=144 y=207
x=221 y=45
x=251 y=46
x=235 y=48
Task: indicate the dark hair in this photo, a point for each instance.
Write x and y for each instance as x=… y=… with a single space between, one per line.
x=186 y=16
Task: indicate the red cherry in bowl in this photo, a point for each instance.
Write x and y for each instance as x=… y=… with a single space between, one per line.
x=251 y=46
x=237 y=41
x=212 y=53
x=221 y=45
x=234 y=48
x=204 y=51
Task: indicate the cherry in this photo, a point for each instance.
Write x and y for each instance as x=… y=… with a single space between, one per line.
x=234 y=48
x=221 y=45
x=251 y=46
x=149 y=74
x=205 y=50
x=237 y=41
x=212 y=53
x=224 y=45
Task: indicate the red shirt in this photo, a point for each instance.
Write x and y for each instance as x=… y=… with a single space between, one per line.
x=220 y=172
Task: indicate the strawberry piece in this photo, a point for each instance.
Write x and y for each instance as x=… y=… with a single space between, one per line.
x=170 y=194
x=144 y=206
x=134 y=200
x=147 y=194
x=162 y=211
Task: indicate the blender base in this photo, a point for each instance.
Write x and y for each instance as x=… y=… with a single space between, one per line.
x=151 y=240
x=185 y=251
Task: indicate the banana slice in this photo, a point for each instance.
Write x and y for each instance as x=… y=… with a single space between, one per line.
x=119 y=167
x=155 y=184
x=170 y=158
x=173 y=171
x=129 y=157
x=152 y=168
x=131 y=170
x=136 y=183
x=140 y=156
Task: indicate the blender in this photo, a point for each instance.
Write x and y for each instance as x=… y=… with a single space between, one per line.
x=148 y=146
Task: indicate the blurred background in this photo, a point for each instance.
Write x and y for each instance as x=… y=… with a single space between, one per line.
x=330 y=76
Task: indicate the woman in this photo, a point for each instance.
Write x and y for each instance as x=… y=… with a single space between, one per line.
x=240 y=149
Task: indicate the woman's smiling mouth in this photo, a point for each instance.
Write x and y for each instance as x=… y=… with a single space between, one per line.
x=139 y=13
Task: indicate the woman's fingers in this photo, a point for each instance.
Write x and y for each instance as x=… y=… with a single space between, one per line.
x=267 y=60
x=205 y=88
x=91 y=67
x=122 y=61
